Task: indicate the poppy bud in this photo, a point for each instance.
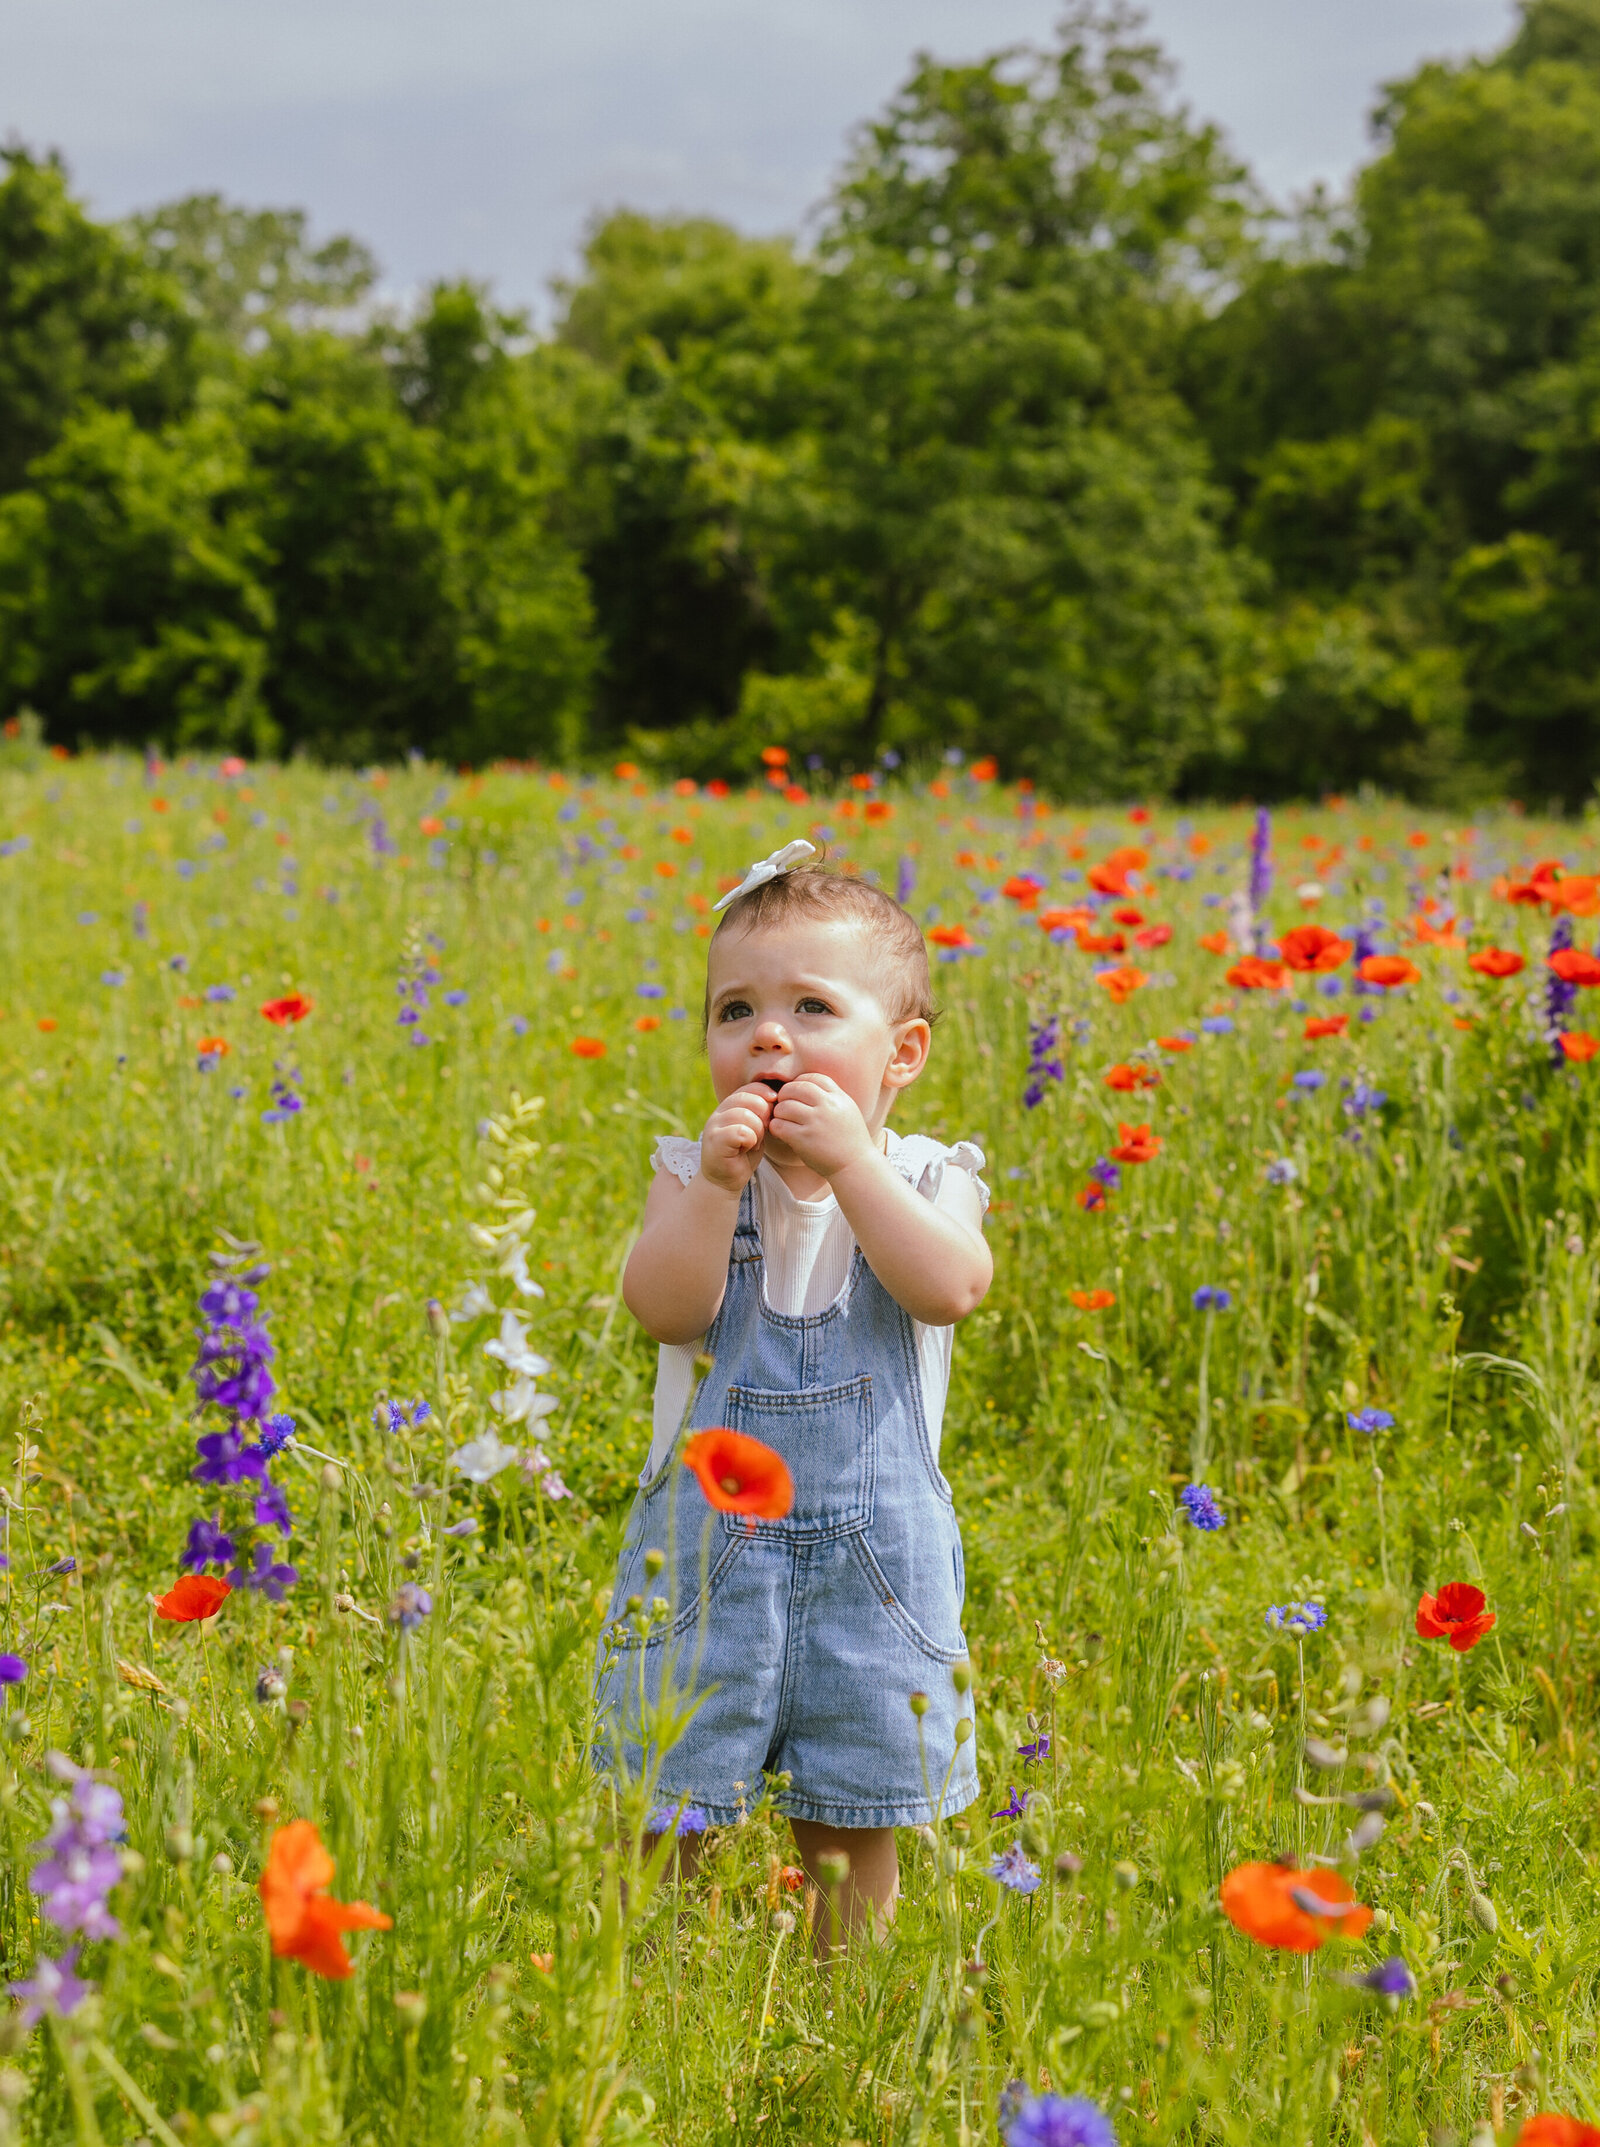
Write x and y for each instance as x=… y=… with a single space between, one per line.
x=919 y=1704
x=1126 y=1876
x=964 y=1729
x=1482 y=1911
x=1067 y=1865
x=961 y=1676
x=653 y=1562
x=438 y=1320
x=833 y=1868
x=332 y=1476
x=180 y=1844
x=412 y=2007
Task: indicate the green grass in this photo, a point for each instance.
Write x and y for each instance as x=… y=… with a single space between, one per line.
x=1440 y=1267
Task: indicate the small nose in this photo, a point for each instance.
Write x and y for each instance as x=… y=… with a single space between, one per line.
x=771 y=1036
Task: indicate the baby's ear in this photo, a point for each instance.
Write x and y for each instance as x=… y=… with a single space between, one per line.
x=912 y=1042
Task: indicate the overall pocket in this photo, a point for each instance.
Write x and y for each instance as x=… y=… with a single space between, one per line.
x=828 y=1436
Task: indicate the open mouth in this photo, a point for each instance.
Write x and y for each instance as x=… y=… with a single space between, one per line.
x=773 y=1081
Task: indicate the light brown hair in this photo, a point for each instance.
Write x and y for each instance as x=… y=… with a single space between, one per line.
x=813 y=891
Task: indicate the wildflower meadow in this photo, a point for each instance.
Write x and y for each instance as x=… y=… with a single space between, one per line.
x=329 y=1100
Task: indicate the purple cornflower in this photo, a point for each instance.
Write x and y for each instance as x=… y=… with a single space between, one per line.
x=1106 y=1173
x=286 y=1102
x=667 y=1819
x=1390 y=1979
x=1060 y=2121
x=274 y=1581
x=1363 y=1099
x=1282 y=1170
x=12 y=1669
x=54 y=1988
x=1014 y=1871
x=276 y=1433
x=1200 y=1508
x=1016 y=1807
x=79 y=1866
x=1371 y=1421
x=410 y=1606
x=56 y=1570
x=1297 y=1618
x=1217 y=1025
x=1311 y=1077
x=208 y=1545
x=1211 y=1297
x=1044 y=1059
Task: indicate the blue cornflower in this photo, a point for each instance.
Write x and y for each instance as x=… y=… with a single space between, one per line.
x=12 y=1669
x=1297 y=1618
x=113 y=977
x=1211 y=1297
x=1107 y=1173
x=1015 y=1808
x=208 y=1544
x=1370 y=1421
x=276 y=1433
x=1363 y=1099
x=218 y=993
x=1331 y=987
x=410 y=1606
x=1390 y=1979
x=1059 y=2121
x=1311 y=1077
x=1217 y=1025
x=1015 y=1872
x=1200 y=1507
x=650 y=990
x=666 y=1818
x=61 y=1566
x=455 y=998
x=1282 y=1170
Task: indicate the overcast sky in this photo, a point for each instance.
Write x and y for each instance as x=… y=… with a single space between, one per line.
x=477 y=136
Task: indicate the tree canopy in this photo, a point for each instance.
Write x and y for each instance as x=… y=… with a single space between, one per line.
x=1055 y=442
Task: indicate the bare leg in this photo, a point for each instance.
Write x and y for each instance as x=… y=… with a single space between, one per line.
x=689 y=1848
x=871 y=1884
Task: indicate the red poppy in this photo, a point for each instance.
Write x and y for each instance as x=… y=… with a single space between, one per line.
x=1577 y=893
x=1125 y=1079
x=950 y=935
x=1216 y=942
x=1313 y=949
x=1093 y=1300
x=1497 y=962
x=985 y=770
x=1176 y=1043
x=588 y=1047
x=1321 y=1025
x=1255 y=973
x=1432 y=935
x=644 y=1023
x=1575 y=965
x=47 y=1022
x=1111 y=876
x=1266 y=1902
x=1549 y=2129
x=1092 y=1198
x=878 y=809
x=1022 y=890
x=285 y=1012
x=1100 y=942
x=194 y=1596
x=1153 y=935
x=430 y=825
x=740 y=1475
x=1064 y=920
x=1388 y=970
x=1455 y=1614
x=625 y=771
x=775 y=756
x=1122 y=981
x=1137 y=1145
x=213 y=1047
x=1127 y=915
x=1579 y=1045
x=304 y=1922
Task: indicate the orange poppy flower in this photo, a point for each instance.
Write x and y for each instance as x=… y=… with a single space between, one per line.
x=1268 y=1903
x=1388 y=970
x=1549 y=2129
x=588 y=1047
x=1575 y=965
x=1313 y=950
x=1093 y=1300
x=1064 y=920
x=1497 y=962
x=1433 y=935
x=1153 y=935
x=1137 y=1145
x=1127 y=915
x=285 y=1012
x=1455 y=1614
x=1125 y=1079
x=1577 y=893
x=878 y=809
x=430 y=825
x=1021 y=890
x=739 y=1474
x=303 y=1921
x=213 y=1047
x=1109 y=878
x=1256 y=973
x=1321 y=1025
x=1216 y=942
x=47 y=1022
x=950 y=935
x=1579 y=1045
x=861 y=782
x=1100 y=942
x=646 y=1022
x=1176 y=1043
x=194 y=1596
x=775 y=756
x=625 y=771
x=1121 y=982
x=985 y=770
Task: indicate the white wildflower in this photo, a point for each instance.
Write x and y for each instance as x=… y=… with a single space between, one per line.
x=475 y=1304
x=483 y=1457
x=511 y=1347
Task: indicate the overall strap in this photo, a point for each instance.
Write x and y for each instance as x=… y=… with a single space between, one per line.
x=746 y=1237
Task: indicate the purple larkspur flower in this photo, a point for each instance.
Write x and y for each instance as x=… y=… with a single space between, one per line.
x=229 y=1304
x=1260 y=871
x=78 y=1866
x=410 y=1606
x=58 y=1568
x=1106 y=1173
x=12 y=1669
x=1015 y=1871
x=225 y=1459
x=666 y=1818
x=1039 y=1749
x=1060 y=2121
x=272 y=1509
x=1044 y=1059
x=273 y=1581
x=1015 y=1808
x=208 y=1544
x=1390 y=1979
x=1559 y=994
x=52 y=1988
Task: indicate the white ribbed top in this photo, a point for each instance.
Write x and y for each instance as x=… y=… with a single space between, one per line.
x=807 y=1247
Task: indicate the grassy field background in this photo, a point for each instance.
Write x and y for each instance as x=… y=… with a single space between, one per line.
x=1411 y=1233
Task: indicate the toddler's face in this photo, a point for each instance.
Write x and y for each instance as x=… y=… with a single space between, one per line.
x=804 y=1000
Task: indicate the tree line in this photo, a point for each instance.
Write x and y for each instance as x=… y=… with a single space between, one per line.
x=1056 y=442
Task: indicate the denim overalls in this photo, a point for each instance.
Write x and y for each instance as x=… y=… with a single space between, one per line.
x=817 y=1628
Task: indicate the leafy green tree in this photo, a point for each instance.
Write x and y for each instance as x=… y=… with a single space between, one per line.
x=244 y=271
x=83 y=321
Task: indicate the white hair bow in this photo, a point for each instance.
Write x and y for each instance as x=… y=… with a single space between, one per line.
x=768 y=868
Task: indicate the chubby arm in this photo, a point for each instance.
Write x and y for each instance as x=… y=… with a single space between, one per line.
x=678 y=1268
x=930 y=1257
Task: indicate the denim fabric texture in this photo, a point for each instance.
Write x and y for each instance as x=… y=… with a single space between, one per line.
x=803 y=1639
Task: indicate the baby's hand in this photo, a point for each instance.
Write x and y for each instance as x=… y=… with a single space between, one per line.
x=730 y=1145
x=820 y=1123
